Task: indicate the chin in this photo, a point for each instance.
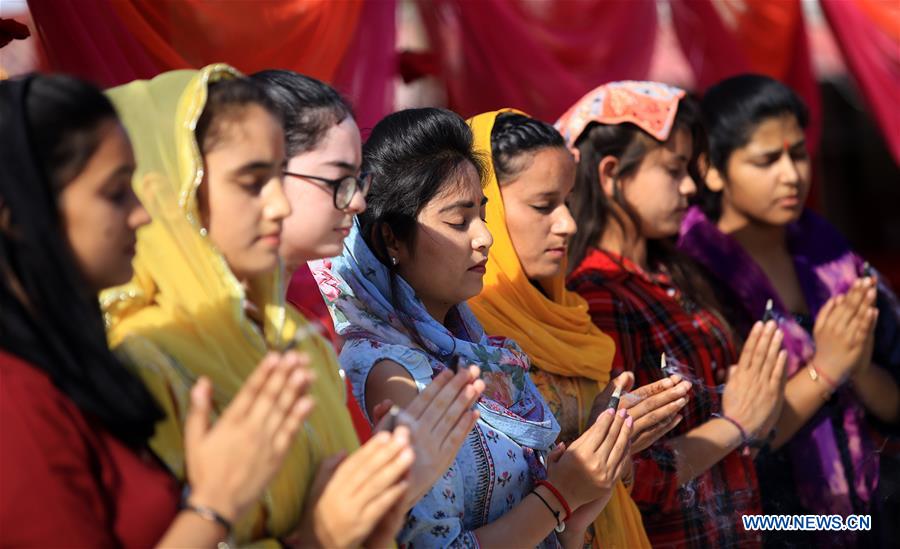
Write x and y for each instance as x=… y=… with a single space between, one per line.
x=468 y=291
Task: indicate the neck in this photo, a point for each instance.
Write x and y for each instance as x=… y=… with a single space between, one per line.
x=438 y=311
x=624 y=242
x=758 y=239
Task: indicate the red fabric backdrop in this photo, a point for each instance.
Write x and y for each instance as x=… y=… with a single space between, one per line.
x=349 y=44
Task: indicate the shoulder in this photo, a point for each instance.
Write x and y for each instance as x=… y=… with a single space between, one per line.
x=38 y=418
x=26 y=390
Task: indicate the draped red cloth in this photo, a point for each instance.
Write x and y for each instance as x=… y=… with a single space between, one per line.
x=536 y=56
x=868 y=34
x=724 y=39
x=349 y=44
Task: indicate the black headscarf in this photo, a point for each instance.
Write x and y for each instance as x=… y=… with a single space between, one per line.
x=48 y=314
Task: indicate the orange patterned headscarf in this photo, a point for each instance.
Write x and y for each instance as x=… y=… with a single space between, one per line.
x=651 y=106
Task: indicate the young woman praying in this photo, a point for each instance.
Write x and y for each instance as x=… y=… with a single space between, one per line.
x=208 y=299
x=397 y=295
x=77 y=468
x=637 y=145
x=530 y=175
x=763 y=246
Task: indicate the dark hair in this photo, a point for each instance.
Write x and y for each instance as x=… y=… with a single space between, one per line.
x=732 y=110
x=513 y=135
x=308 y=107
x=227 y=98
x=411 y=155
x=589 y=204
x=593 y=210
x=51 y=318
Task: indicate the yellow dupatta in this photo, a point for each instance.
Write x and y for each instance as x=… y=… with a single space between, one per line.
x=556 y=333
x=182 y=315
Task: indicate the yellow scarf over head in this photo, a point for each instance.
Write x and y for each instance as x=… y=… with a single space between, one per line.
x=555 y=330
x=182 y=315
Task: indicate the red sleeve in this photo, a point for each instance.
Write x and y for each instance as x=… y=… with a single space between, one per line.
x=656 y=486
x=49 y=495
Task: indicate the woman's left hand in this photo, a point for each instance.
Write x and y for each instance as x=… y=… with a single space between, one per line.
x=655 y=408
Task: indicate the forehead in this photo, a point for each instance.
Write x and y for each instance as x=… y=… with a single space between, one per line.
x=249 y=129
x=774 y=132
x=462 y=185
x=549 y=170
x=340 y=143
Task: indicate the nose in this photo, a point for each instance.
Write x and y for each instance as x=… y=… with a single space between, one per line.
x=483 y=239
x=276 y=206
x=138 y=216
x=357 y=204
x=788 y=172
x=564 y=224
x=687 y=187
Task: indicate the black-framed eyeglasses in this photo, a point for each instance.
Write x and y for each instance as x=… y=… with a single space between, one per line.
x=344 y=188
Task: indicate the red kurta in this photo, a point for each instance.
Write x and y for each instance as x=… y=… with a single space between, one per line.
x=647 y=315
x=64 y=480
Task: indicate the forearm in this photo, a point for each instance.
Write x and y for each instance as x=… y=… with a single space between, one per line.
x=701 y=448
x=879 y=393
x=525 y=525
x=803 y=397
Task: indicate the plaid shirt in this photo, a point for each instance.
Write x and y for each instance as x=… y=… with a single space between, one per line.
x=647 y=316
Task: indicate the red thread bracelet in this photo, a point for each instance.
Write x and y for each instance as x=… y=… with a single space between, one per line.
x=819 y=373
x=562 y=501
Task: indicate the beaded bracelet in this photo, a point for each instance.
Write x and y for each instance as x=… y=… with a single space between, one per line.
x=209 y=514
x=815 y=374
x=745 y=440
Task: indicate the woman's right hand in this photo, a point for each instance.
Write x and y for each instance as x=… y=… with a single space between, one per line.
x=352 y=496
x=230 y=463
x=842 y=328
x=589 y=468
x=755 y=389
x=654 y=407
x=440 y=417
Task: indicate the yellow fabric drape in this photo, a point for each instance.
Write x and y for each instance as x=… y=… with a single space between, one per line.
x=182 y=315
x=556 y=333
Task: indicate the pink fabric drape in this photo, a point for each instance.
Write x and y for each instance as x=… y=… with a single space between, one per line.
x=536 y=56
x=349 y=44
x=871 y=48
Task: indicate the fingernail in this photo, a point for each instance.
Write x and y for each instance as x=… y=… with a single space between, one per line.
x=297 y=377
x=682 y=401
x=623 y=413
x=629 y=421
x=609 y=411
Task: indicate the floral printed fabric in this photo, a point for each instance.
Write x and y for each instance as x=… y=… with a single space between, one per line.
x=502 y=455
x=651 y=106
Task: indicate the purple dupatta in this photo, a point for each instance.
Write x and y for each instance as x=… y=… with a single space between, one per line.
x=825 y=266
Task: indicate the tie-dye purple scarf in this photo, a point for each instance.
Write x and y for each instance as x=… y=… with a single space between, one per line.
x=825 y=266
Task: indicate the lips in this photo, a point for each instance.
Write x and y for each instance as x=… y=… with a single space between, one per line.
x=343 y=230
x=789 y=201
x=273 y=239
x=481 y=267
